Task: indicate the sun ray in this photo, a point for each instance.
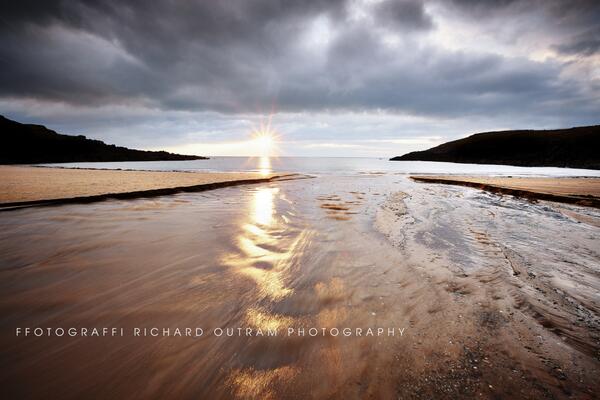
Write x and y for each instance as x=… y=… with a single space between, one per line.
x=265 y=138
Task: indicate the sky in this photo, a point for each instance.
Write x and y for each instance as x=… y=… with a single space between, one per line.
x=330 y=78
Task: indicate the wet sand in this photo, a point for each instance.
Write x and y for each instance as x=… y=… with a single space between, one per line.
x=498 y=297
x=583 y=191
x=34 y=185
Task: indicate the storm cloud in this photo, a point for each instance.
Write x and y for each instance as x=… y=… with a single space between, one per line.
x=501 y=62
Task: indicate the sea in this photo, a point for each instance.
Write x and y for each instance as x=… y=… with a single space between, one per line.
x=332 y=166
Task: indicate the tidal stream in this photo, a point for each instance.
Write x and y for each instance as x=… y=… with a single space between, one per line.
x=485 y=295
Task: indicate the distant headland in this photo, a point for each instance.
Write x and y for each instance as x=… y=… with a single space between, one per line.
x=570 y=148
x=34 y=144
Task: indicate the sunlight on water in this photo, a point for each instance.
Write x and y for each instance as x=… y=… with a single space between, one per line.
x=267 y=257
x=268 y=163
x=252 y=384
x=261 y=254
x=253 y=229
x=264 y=165
x=267 y=321
x=269 y=282
x=262 y=212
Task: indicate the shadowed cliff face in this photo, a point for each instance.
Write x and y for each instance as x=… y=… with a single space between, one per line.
x=572 y=148
x=497 y=297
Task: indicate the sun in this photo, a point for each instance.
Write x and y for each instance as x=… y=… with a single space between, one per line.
x=264 y=139
x=265 y=142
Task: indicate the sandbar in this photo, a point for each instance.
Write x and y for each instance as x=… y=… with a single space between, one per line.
x=581 y=191
x=22 y=186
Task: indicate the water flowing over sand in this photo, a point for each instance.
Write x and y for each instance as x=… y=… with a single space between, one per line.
x=495 y=296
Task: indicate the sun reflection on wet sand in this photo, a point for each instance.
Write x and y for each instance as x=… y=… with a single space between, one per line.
x=269 y=282
x=263 y=254
x=262 y=206
x=267 y=247
x=254 y=384
x=267 y=321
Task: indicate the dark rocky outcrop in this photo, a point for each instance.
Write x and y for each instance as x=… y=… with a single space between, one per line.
x=572 y=148
x=34 y=144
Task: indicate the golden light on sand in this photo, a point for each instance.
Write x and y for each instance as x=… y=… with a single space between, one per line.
x=266 y=321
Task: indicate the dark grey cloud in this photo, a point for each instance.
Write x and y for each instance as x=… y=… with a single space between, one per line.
x=239 y=56
x=406 y=15
x=170 y=51
x=577 y=20
x=586 y=43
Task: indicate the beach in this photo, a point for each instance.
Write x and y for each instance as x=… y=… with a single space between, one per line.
x=584 y=191
x=34 y=185
x=465 y=293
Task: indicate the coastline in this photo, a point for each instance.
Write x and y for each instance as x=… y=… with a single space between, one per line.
x=579 y=191
x=35 y=186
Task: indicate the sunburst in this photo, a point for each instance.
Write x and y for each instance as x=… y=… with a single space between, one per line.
x=265 y=138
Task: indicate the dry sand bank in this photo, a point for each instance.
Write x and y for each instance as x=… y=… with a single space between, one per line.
x=581 y=191
x=21 y=186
